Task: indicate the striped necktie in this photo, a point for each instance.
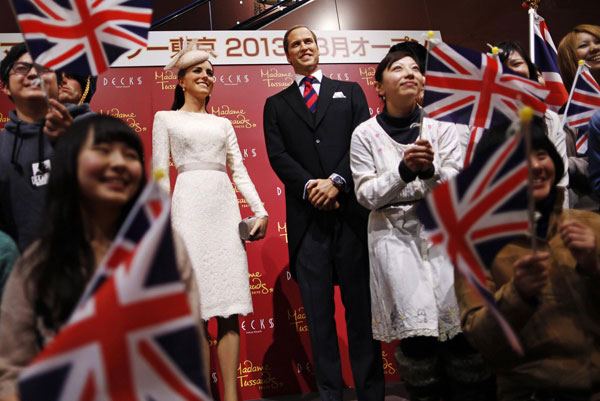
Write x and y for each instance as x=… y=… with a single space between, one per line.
x=310 y=96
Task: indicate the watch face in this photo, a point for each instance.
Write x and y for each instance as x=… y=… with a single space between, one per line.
x=337 y=181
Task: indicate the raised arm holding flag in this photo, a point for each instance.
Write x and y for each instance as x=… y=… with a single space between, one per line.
x=522 y=280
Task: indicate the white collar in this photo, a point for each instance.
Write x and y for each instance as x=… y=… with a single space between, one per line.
x=318 y=74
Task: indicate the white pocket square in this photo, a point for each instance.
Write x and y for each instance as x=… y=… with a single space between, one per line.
x=339 y=95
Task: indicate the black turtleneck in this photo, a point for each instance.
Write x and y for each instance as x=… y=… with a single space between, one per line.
x=404 y=130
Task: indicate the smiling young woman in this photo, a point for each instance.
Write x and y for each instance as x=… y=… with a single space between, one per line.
x=97 y=175
x=205 y=209
x=548 y=295
x=582 y=43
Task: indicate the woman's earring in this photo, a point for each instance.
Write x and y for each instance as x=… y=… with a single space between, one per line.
x=183 y=89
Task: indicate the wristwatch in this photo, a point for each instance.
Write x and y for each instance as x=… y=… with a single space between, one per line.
x=338 y=181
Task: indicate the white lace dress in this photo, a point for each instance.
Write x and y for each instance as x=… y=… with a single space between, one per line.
x=205 y=211
x=412 y=285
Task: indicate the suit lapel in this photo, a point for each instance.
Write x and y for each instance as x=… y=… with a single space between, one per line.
x=292 y=96
x=328 y=87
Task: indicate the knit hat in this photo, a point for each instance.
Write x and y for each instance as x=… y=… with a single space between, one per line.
x=190 y=55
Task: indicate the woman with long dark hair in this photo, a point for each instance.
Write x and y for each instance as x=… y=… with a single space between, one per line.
x=516 y=60
x=97 y=175
x=205 y=208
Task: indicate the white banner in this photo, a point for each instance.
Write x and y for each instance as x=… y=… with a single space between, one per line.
x=258 y=47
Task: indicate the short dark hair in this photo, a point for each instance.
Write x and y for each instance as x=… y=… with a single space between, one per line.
x=510 y=47
x=419 y=52
x=13 y=55
x=85 y=82
x=287 y=34
x=390 y=59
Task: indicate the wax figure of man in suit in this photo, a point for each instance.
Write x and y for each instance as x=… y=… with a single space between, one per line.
x=327 y=228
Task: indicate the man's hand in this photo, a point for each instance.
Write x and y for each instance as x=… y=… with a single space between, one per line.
x=581 y=241
x=419 y=156
x=58 y=119
x=531 y=274
x=322 y=194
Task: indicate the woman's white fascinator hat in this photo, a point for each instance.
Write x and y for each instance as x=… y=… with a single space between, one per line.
x=190 y=55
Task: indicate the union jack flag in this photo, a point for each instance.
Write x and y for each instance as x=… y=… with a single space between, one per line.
x=546 y=59
x=581 y=146
x=584 y=102
x=472 y=137
x=468 y=87
x=479 y=211
x=82 y=36
x=133 y=336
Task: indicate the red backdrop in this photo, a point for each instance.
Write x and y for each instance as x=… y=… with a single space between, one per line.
x=275 y=357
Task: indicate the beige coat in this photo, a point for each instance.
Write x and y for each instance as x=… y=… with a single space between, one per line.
x=560 y=333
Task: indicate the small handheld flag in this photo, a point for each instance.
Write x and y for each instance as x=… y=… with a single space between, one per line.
x=82 y=36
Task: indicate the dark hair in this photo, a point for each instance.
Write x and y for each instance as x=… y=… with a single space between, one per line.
x=179 y=97
x=286 y=43
x=13 y=55
x=510 y=47
x=85 y=82
x=417 y=50
x=59 y=279
x=390 y=59
x=494 y=137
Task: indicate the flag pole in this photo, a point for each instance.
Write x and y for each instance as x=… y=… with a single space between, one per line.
x=532 y=15
x=577 y=74
x=526 y=116
x=430 y=36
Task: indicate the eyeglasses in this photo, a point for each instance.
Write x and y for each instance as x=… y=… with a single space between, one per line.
x=21 y=68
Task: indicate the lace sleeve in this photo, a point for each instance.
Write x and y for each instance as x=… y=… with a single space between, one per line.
x=161 y=150
x=240 y=175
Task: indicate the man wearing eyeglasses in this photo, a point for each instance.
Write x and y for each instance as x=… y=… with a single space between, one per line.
x=26 y=143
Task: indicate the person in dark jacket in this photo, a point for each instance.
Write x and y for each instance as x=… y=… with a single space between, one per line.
x=76 y=89
x=26 y=142
x=75 y=92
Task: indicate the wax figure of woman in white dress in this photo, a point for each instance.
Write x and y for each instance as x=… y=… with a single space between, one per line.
x=394 y=164
x=205 y=209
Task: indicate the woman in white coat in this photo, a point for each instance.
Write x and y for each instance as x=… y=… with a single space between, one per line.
x=396 y=158
x=205 y=211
